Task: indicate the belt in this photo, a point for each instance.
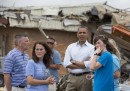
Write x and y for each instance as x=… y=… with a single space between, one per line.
x=79 y=74
x=19 y=86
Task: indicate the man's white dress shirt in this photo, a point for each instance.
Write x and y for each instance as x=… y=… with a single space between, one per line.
x=79 y=53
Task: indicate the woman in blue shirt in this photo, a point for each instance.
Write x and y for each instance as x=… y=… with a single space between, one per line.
x=102 y=66
x=36 y=69
x=116 y=63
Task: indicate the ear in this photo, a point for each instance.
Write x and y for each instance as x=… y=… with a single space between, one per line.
x=55 y=43
x=104 y=45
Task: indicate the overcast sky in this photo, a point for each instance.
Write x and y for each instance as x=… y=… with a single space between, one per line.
x=120 y=4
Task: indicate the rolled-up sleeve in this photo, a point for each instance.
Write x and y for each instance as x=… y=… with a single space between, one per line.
x=67 y=57
x=57 y=58
x=87 y=63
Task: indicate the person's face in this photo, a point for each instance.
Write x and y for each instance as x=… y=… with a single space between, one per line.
x=50 y=43
x=24 y=43
x=82 y=34
x=100 y=44
x=40 y=51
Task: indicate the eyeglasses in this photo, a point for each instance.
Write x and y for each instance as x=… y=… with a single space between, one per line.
x=101 y=36
x=50 y=43
x=39 y=49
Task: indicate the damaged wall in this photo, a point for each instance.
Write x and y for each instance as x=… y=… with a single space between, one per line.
x=63 y=39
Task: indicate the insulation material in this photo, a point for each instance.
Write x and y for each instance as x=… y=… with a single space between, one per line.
x=121 y=18
x=76 y=10
x=45 y=11
x=10 y=14
x=71 y=28
x=51 y=24
x=26 y=23
x=68 y=22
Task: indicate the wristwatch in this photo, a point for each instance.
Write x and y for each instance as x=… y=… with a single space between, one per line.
x=95 y=54
x=74 y=62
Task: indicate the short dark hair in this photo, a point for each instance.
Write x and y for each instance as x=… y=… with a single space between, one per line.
x=104 y=39
x=51 y=38
x=18 y=37
x=83 y=27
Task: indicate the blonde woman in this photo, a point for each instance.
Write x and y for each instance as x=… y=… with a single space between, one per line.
x=116 y=60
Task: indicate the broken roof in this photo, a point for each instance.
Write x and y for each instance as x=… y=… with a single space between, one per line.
x=119 y=4
x=67 y=18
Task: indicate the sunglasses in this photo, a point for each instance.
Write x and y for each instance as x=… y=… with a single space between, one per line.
x=102 y=36
x=50 y=43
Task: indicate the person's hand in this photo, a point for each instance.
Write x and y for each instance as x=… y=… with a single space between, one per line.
x=50 y=80
x=88 y=58
x=89 y=76
x=98 y=50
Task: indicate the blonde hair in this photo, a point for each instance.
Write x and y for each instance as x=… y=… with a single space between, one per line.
x=115 y=49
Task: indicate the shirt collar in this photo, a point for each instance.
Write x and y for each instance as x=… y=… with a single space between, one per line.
x=18 y=51
x=86 y=43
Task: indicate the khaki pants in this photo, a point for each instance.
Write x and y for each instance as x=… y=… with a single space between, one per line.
x=78 y=83
x=15 y=89
x=52 y=87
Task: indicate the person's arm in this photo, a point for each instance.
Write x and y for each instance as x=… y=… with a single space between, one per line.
x=7 y=69
x=32 y=81
x=7 y=81
x=88 y=61
x=85 y=63
x=116 y=65
x=56 y=61
x=78 y=64
x=73 y=66
x=117 y=74
x=55 y=66
x=95 y=64
x=30 y=71
x=67 y=59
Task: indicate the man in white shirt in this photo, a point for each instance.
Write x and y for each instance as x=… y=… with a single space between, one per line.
x=77 y=59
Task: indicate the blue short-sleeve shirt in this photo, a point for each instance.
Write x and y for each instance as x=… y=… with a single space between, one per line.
x=37 y=70
x=14 y=64
x=104 y=79
x=56 y=59
x=116 y=64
